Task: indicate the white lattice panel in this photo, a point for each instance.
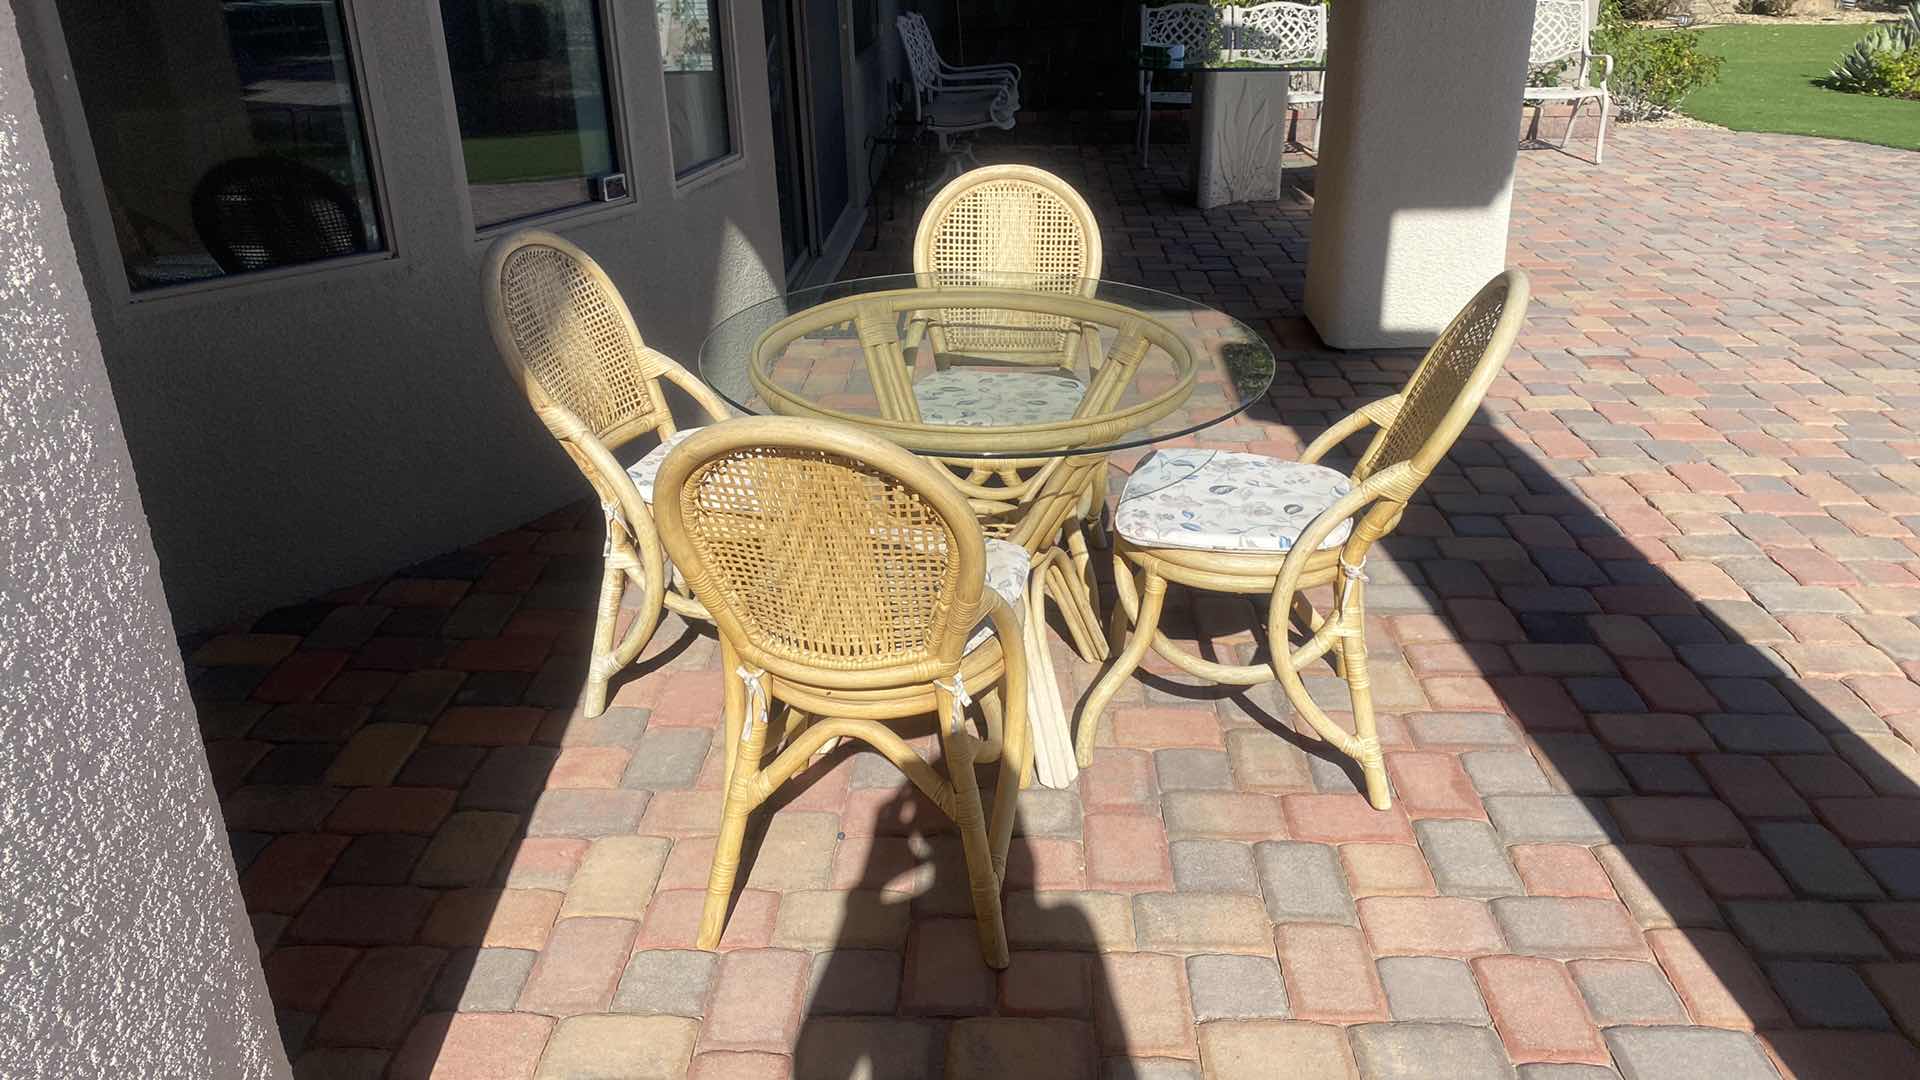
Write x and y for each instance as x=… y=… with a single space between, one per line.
x=1559 y=31
x=1280 y=33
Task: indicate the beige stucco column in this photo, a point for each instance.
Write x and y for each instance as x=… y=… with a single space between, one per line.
x=1415 y=176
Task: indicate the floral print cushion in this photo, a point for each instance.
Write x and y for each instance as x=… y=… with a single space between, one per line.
x=1217 y=500
x=647 y=468
x=964 y=397
x=1007 y=575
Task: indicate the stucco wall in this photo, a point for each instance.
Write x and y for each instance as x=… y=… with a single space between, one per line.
x=327 y=427
x=123 y=949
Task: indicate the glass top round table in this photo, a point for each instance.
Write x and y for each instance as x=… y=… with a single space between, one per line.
x=991 y=365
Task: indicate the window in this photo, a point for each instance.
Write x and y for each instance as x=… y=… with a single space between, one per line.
x=530 y=86
x=690 y=55
x=228 y=134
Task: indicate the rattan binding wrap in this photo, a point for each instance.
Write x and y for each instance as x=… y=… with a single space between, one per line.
x=1418 y=426
x=570 y=343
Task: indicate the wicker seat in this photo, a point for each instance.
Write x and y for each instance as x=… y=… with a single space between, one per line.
x=845 y=576
x=257 y=213
x=1275 y=547
x=571 y=344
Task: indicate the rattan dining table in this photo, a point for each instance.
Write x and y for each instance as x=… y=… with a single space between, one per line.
x=1022 y=385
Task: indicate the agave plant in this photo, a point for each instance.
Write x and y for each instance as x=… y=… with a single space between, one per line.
x=1861 y=71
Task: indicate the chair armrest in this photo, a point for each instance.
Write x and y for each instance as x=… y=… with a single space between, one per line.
x=1379 y=412
x=916 y=329
x=981 y=69
x=1606 y=72
x=716 y=406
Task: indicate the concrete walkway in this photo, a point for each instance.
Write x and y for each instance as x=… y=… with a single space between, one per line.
x=1649 y=652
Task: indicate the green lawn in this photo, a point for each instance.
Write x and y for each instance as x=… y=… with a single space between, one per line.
x=1767 y=84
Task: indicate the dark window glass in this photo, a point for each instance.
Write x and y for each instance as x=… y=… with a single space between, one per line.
x=228 y=134
x=530 y=84
x=690 y=54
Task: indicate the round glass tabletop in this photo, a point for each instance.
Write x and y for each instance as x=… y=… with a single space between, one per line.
x=991 y=365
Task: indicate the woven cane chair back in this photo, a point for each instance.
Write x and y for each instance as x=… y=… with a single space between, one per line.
x=257 y=213
x=1008 y=225
x=1452 y=379
x=818 y=547
x=569 y=339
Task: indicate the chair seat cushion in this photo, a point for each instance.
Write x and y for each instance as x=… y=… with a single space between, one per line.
x=1007 y=566
x=1560 y=93
x=647 y=468
x=973 y=397
x=1218 y=500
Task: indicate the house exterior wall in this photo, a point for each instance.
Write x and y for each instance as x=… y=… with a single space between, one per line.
x=323 y=425
x=123 y=948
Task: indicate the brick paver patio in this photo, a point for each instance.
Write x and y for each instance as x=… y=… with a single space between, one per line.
x=1649 y=652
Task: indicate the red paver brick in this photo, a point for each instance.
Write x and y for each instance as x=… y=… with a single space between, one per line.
x=1127 y=852
x=1539 y=703
x=300 y=677
x=1048 y=863
x=486 y=725
x=1842 y=1055
x=1872 y=822
x=418 y=811
x=497 y=918
x=244 y=650
x=579 y=967
x=1538 y=1011
x=362 y=915
x=686 y=698
x=1737 y=874
x=1560 y=870
x=1718 y=982
x=287 y=872
x=1158 y=728
x=1141 y=1009
x=1460 y=693
x=1119 y=780
x=542 y=862
x=500 y=654
x=724 y=1065
x=589 y=767
x=376 y=1004
x=1340 y=819
x=1669 y=686
x=1429 y=926
x=1329 y=974
x=757 y=1000
x=1676 y=820
x=1386 y=870
x=301 y=977
x=472 y=1046
x=944 y=975
x=1433 y=784
x=673 y=920
x=1047 y=984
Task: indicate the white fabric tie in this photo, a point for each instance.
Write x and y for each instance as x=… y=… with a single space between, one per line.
x=1353 y=572
x=611 y=509
x=756 y=698
x=958 y=690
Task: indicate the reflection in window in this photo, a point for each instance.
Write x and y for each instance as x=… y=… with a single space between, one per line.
x=228 y=134
x=690 y=54
x=530 y=85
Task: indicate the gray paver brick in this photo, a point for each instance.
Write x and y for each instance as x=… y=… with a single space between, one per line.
x=1432 y=988
x=1046 y=812
x=1815 y=929
x=1505 y=772
x=1657 y=886
x=853 y=981
x=1191 y=769
x=1420 y=1051
x=1814 y=861
x=1462 y=729
x=671 y=982
x=1524 y=819
x=1627 y=992
x=1568 y=927
x=483 y=980
x=1804 y=600
x=1149 y=1069
x=667 y=757
x=1898 y=870
x=1687 y=1053
x=1466 y=858
x=1214 y=866
x=1765 y=734
x=1547 y=1070
x=1303 y=882
x=1826 y=995
x=1229 y=987
x=1663 y=774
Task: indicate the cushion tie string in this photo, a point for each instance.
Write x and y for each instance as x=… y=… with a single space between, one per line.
x=958 y=691
x=1354 y=571
x=610 y=508
x=756 y=698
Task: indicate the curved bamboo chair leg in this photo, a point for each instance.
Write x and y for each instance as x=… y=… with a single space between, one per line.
x=740 y=801
x=600 y=662
x=988 y=750
x=1352 y=652
x=734 y=697
x=1153 y=595
x=970 y=819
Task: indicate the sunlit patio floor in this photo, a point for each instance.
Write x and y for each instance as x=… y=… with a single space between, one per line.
x=1648 y=651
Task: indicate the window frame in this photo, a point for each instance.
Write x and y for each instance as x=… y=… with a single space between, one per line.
x=95 y=210
x=618 y=131
x=706 y=171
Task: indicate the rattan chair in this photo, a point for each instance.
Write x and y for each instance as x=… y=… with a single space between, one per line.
x=849 y=582
x=256 y=213
x=570 y=342
x=1244 y=523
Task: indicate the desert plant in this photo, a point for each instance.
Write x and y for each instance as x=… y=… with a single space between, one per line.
x=1769 y=7
x=1654 y=69
x=1646 y=10
x=1884 y=62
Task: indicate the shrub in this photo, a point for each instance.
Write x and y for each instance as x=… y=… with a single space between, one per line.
x=1646 y=10
x=1885 y=63
x=1654 y=69
x=1769 y=7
